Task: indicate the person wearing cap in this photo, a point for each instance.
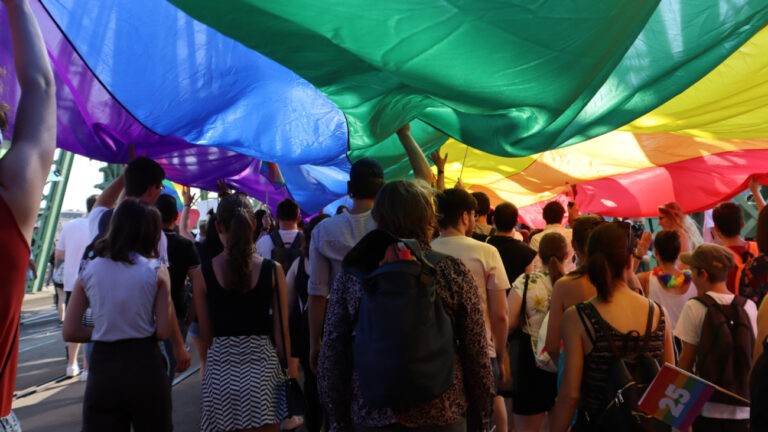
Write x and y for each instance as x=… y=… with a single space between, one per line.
x=672 y=217
x=710 y=265
x=333 y=238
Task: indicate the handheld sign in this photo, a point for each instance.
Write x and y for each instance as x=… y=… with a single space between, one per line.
x=676 y=397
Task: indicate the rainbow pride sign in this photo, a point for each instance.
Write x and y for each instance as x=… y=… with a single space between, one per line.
x=676 y=397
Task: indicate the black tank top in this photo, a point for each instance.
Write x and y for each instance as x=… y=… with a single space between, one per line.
x=235 y=313
x=598 y=362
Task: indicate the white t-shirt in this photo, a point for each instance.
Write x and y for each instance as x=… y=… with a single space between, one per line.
x=93 y=229
x=689 y=330
x=673 y=303
x=331 y=240
x=265 y=245
x=485 y=265
x=569 y=263
x=122 y=297
x=73 y=240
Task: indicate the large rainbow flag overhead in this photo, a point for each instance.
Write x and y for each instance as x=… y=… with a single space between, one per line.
x=636 y=103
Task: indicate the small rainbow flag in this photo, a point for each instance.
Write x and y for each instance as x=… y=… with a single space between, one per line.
x=676 y=397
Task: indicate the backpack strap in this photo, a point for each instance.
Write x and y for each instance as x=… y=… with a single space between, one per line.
x=298 y=241
x=277 y=240
x=523 y=315
x=581 y=309
x=648 y=325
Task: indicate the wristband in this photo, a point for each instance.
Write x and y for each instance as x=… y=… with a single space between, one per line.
x=440 y=172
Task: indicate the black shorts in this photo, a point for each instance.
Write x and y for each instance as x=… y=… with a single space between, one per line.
x=67 y=295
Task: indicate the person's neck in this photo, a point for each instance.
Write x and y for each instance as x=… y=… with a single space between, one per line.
x=504 y=233
x=669 y=268
x=288 y=226
x=169 y=227
x=549 y=224
x=453 y=232
x=360 y=205
x=733 y=241
x=718 y=288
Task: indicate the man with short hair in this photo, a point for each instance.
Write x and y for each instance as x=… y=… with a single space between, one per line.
x=456 y=210
x=72 y=241
x=288 y=217
x=710 y=265
x=515 y=254
x=183 y=263
x=553 y=214
x=333 y=238
x=729 y=221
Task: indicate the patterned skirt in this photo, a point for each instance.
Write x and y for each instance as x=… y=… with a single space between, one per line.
x=243 y=385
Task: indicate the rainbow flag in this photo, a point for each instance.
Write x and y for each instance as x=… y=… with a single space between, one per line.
x=676 y=397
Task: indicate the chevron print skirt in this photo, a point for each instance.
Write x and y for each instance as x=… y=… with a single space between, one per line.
x=243 y=385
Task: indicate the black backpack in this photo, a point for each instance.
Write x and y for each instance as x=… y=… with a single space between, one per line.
x=286 y=255
x=403 y=349
x=628 y=379
x=724 y=353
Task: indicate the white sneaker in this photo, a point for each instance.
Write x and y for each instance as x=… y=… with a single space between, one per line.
x=73 y=371
x=84 y=375
x=292 y=423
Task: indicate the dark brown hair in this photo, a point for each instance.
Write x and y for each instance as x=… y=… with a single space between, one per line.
x=235 y=215
x=608 y=251
x=134 y=228
x=406 y=209
x=553 y=248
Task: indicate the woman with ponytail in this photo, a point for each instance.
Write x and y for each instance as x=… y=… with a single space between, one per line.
x=616 y=313
x=574 y=287
x=537 y=387
x=243 y=384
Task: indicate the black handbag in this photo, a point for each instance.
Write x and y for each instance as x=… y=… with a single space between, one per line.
x=294 y=396
x=519 y=344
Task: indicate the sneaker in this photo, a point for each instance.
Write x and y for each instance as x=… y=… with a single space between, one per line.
x=292 y=423
x=73 y=371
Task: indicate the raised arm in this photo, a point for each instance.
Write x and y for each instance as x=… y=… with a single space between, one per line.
x=439 y=162
x=754 y=187
x=25 y=167
x=189 y=198
x=418 y=161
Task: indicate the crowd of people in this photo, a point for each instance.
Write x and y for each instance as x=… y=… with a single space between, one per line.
x=417 y=308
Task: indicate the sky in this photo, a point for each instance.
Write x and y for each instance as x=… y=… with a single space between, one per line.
x=84 y=175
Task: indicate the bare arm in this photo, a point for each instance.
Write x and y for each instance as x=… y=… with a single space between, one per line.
x=163 y=305
x=687 y=357
x=497 y=311
x=111 y=193
x=188 y=198
x=514 y=304
x=283 y=338
x=439 y=162
x=555 y=320
x=570 y=390
x=754 y=187
x=415 y=155
x=199 y=295
x=74 y=330
x=25 y=166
